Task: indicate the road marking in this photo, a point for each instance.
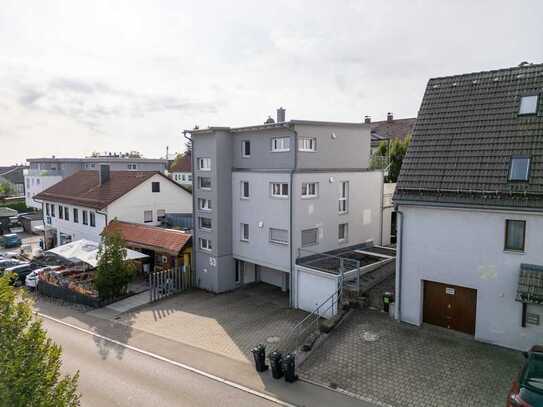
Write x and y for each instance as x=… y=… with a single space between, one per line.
x=173 y=362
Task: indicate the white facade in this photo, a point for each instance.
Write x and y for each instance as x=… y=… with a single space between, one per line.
x=182 y=178
x=131 y=207
x=466 y=248
x=36 y=184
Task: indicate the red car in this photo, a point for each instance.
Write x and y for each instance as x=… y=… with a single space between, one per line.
x=527 y=388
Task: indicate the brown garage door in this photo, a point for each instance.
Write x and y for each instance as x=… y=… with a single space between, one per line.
x=450 y=306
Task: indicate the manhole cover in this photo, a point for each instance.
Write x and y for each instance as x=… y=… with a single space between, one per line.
x=273 y=339
x=370 y=336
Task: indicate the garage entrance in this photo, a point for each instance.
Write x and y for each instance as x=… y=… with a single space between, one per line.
x=450 y=306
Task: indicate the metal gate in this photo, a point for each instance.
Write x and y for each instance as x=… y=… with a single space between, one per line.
x=165 y=283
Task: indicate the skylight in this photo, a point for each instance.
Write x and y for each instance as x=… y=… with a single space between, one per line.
x=528 y=105
x=520 y=167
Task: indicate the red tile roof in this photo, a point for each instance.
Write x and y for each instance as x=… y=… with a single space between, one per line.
x=82 y=188
x=183 y=164
x=150 y=237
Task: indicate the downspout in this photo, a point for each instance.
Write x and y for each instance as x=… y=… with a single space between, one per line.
x=193 y=256
x=399 y=265
x=291 y=223
x=102 y=213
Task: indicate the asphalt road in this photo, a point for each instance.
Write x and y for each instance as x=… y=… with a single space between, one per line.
x=136 y=379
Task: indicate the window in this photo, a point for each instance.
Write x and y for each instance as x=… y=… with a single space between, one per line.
x=279 y=236
x=245 y=189
x=53 y=210
x=307 y=144
x=343 y=232
x=76 y=215
x=204 y=182
x=92 y=219
x=204 y=204
x=279 y=190
x=528 y=105
x=244 y=232
x=60 y=212
x=160 y=215
x=310 y=189
x=520 y=167
x=66 y=213
x=155 y=186
x=245 y=148
x=280 y=144
x=47 y=211
x=515 y=235
x=189 y=177
x=204 y=164
x=85 y=218
x=343 y=197
x=310 y=237
x=240 y=267
x=205 y=244
x=132 y=166
x=205 y=223
x=147 y=216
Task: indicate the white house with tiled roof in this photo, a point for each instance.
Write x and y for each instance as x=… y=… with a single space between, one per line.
x=81 y=205
x=469 y=200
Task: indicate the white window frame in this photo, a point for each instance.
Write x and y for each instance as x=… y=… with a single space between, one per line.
x=200 y=219
x=280 y=144
x=204 y=164
x=307 y=144
x=204 y=204
x=281 y=193
x=345 y=232
x=343 y=201
x=244 y=227
x=243 y=144
x=511 y=169
x=306 y=190
x=525 y=104
x=147 y=219
x=242 y=190
x=205 y=244
x=282 y=242
x=200 y=184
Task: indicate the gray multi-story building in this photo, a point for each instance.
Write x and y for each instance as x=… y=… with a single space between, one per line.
x=46 y=172
x=266 y=194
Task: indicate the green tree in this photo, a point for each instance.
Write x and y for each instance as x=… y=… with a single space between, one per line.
x=6 y=189
x=30 y=362
x=390 y=155
x=113 y=272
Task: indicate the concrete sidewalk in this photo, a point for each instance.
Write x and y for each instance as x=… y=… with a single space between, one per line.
x=300 y=393
x=117 y=308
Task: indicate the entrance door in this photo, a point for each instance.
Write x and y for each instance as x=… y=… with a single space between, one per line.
x=450 y=306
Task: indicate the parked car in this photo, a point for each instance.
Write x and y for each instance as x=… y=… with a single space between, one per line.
x=10 y=240
x=527 y=388
x=7 y=263
x=20 y=272
x=31 y=280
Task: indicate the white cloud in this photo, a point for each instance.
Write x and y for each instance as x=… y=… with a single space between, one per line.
x=81 y=76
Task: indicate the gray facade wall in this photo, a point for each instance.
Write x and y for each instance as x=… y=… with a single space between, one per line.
x=338 y=146
x=261 y=150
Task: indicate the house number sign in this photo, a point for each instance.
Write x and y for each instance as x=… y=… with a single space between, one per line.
x=449 y=291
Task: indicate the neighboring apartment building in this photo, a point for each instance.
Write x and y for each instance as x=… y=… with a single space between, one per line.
x=470 y=208
x=81 y=205
x=181 y=170
x=46 y=172
x=389 y=129
x=14 y=176
x=263 y=192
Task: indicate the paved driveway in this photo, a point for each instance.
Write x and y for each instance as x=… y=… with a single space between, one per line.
x=378 y=359
x=229 y=324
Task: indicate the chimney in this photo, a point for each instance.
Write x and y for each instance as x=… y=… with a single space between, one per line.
x=367 y=119
x=281 y=115
x=390 y=117
x=103 y=174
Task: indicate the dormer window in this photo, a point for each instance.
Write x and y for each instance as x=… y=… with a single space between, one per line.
x=520 y=167
x=528 y=105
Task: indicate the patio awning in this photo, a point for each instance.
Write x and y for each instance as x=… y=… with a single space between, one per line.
x=87 y=252
x=530 y=284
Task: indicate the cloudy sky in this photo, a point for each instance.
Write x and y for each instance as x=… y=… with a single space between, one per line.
x=83 y=76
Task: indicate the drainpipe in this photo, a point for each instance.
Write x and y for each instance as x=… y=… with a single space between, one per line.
x=399 y=264
x=291 y=209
